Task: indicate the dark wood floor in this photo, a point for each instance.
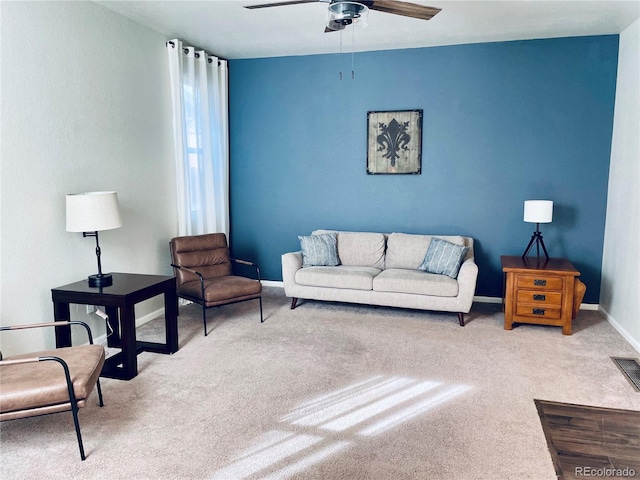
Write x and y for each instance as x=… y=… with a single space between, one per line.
x=591 y=441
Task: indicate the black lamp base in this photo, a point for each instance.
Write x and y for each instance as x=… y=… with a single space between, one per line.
x=100 y=280
x=536 y=239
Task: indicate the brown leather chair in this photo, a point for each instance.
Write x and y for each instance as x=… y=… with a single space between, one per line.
x=204 y=274
x=50 y=381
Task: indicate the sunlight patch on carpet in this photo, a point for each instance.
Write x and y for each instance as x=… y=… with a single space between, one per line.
x=419 y=408
x=389 y=402
x=337 y=405
x=304 y=463
x=266 y=457
x=345 y=392
x=267 y=441
x=360 y=410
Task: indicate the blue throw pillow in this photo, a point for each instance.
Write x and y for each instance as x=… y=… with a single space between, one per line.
x=319 y=250
x=444 y=258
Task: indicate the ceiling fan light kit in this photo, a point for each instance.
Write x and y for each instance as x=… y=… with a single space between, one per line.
x=343 y=14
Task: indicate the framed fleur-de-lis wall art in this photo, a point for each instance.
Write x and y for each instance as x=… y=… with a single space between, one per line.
x=394 y=142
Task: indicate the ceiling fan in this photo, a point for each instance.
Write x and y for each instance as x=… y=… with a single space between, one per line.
x=344 y=13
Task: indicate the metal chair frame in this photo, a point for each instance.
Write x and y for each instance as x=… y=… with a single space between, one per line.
x=72 y=397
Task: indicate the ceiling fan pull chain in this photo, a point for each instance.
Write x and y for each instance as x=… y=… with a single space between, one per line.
x=353 y=48
x=340 y=56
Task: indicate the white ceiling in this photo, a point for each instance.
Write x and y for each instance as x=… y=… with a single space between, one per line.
x=226 y=29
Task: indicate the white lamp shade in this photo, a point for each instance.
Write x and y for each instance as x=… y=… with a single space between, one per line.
x=93 y=211
x=538 y=211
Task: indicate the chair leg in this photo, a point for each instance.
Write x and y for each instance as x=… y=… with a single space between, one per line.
x=76 y=422
x=204 y=319
x=99 y=392
x=461 y=319
x=72 y=400
x=261 y=317
x=294 y=300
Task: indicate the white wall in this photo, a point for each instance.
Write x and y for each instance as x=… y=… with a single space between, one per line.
x=85 y=106
x=620 y=293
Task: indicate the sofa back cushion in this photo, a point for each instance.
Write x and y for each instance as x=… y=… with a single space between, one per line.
x=361 y=249
x=408 y=251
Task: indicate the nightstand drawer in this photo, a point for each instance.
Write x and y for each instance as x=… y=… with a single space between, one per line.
x=546 y=282
x=539 y=297
x=538 y=312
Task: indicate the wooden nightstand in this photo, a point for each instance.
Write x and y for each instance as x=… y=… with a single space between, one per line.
x=539 y=292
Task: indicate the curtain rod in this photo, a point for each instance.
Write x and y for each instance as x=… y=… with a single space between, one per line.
x=170 y=42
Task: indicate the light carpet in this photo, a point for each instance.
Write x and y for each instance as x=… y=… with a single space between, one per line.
x=331 y=391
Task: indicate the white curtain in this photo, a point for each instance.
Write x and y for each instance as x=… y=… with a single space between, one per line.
x=199 y=92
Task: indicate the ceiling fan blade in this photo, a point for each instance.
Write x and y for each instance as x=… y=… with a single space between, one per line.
x=405 y=9
x=280 y=4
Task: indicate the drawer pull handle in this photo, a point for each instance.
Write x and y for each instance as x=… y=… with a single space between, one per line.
x=538 y=311
x=539 y=297
x=540 y=283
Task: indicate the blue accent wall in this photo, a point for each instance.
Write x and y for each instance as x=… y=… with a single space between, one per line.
x=503 y=123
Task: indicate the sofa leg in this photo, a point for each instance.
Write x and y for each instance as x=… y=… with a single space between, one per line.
x=294 y=301
x=461 y=319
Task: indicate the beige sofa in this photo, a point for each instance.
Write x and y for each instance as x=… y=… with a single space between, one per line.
x=382 y=269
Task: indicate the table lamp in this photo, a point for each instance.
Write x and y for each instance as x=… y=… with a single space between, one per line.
x=90 y=213
x=537 y=211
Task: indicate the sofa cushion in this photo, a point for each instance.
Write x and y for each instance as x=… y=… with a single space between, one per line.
x=443 y=258
x=408 y=251
x=319 y=250
x=399 y=280
x=360 y=249
x=220 y=289
x=357 y=278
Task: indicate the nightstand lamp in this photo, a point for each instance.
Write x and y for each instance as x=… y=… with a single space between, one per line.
x=537 y=211
x=90 y=213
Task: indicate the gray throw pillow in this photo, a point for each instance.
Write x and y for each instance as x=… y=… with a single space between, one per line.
x=319 y=250
x=443 y=257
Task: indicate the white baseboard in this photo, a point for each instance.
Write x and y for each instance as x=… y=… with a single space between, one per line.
x=149 y=316
x=477 y=298
x=590 y=306
x=481 y=299
x=621 y=330
x=102 y=339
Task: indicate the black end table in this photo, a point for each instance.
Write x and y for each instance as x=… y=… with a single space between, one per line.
x=119 y=300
